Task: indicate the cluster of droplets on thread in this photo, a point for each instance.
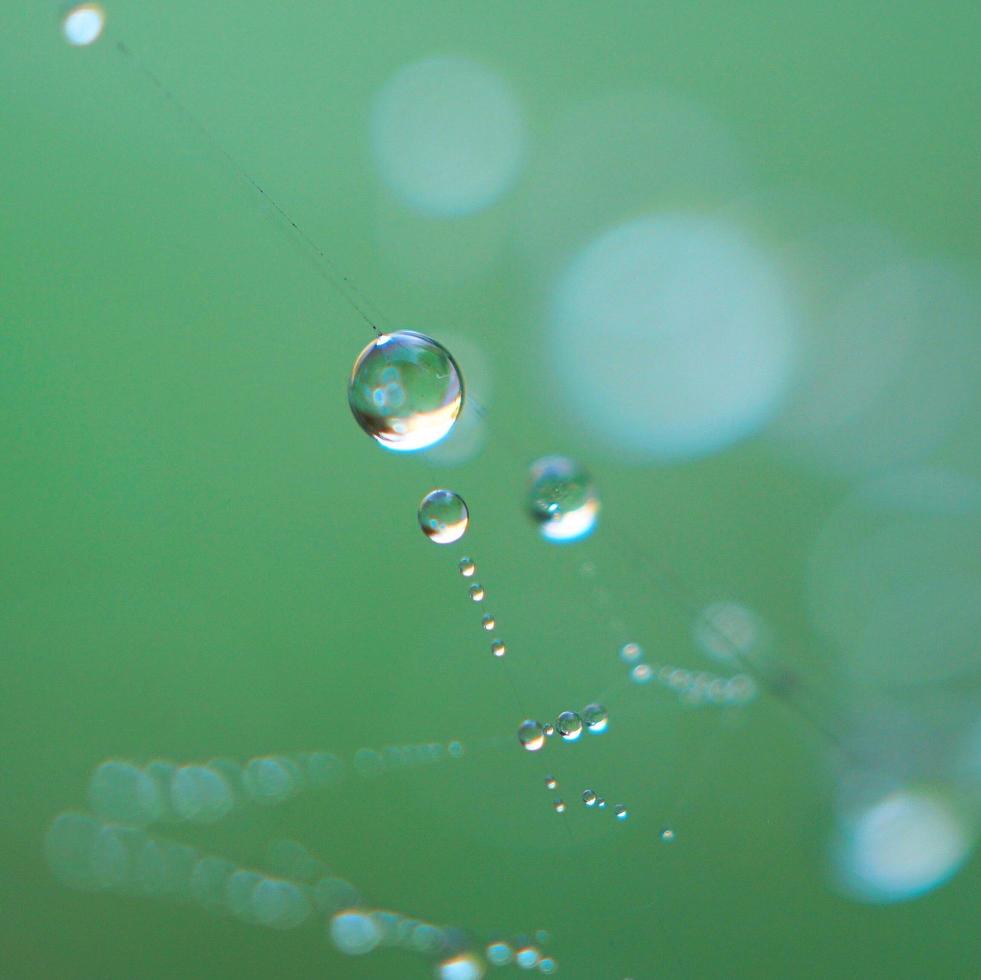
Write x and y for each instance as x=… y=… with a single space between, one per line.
x=569 y=725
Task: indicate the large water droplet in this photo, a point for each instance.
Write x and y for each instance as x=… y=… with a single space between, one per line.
x=405 y=390
x=569 y=726
x=596 y=718
x=562 y=499
x=530 y=735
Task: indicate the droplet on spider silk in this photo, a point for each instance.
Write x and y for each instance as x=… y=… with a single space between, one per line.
x=589 y=797
x=562 y=499
x=559 y=806
x=569 y=726
x=630 y=653
x=443 y=516
x=476 y=592
x=551 y=782
x=405 y=391
x=621 y=811
x=488 y=622
x=641 y=674
x=548 y=729
x=467 y=567
x=530 y=735
x=83 y=24
x=596 y=718
x=667 y=835
x=498 y=648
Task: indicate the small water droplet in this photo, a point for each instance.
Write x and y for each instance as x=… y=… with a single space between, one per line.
x=569 y=726
x=589 y=797
x=667 y=835
x=562 y=499
x=559 y=806
x=498 y=648
x=601 y=803
x=551 y=782
x=641 y=674
x=530 y=735
x=467 y=567
x=476 y=592
x=621 y=811
x=596 y=718
x=488 y=622
x=548 y=729
x=443 y=516
x=630 y=653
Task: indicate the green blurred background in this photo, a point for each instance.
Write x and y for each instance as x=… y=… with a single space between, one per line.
x=203 y=555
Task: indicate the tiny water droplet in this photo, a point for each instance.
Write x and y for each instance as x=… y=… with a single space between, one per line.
x=488 y=622
x=569 y=726
x=530 y=735
x=559 y=806
x=596 y=718
x=589 y=797
x=551 y=782
x=467 y=567
x=443 y=516
x=621 y=811
x=498 y=648
x=548 y=729
x=630 y=653
x=641 y=674
x=476 y=592
x=667 y=835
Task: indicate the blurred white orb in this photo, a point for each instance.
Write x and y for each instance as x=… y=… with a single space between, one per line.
x=904 y=845
x=672 y=337
x=83 y=24
x=448 y=136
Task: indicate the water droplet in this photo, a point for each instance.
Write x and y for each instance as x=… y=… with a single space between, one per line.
x=569 y=726
x=527 y=957
x=405 y=391
x=120 y=791
x=630 y=653
x=551 y=782
x=562 y=499
x=530 y=735
x=559 y=806
x=83 y=24
x=547 y=965
x=443 y=516
x=498 y=648
x=476 y=592
x=548 y=729
x=641 y=674
x=601 y=803
x=200 y=795
x=621 y=811
x=455 y=749
x=667 y=835
x=589 y=797
x=462 y=967
x=596 y=718
x=467 y=567
x=354 y=933
x=488 y=622
x=499 y=954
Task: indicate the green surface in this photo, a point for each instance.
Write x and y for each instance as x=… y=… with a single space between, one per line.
x=203 y=555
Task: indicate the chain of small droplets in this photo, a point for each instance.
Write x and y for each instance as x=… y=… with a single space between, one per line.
x=468 y=569
x=692 y=687
x=569 y=725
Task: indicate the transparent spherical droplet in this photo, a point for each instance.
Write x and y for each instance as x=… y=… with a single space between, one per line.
x=120 y=791
x=467 y=567
x=270 y=780
x=551 y=782
x=621 y=811
x=462 y=967
x=476 y=592
x=280 y=904
x=83 y=24
x=630 y=653
x=499 y=954
x=667 y=835
x=239 y=889
x=405 y=391
x=209 y=879
x=596 y=718
x=726 y=630
x=559 y=806
x=569 y=726
x=488 y=622
x=680 y=679
x=589 y=797
x=527 y=957
x=498 y=648
x=530 y=735
x=353 y=932
x=443 y=516
x=740 y=689
x=200 y=795
x=547 y=965
x=548 y=729
x=601 y=802
x=641 y=674
x=455 y=749
x=426 y=938
x=562 y=499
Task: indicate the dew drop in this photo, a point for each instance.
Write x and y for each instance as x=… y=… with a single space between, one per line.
x=498 y=648
x=443 y=516
x=405 y=391
x=596 y=718
x=548 y=729
x=630 y=653
x=488 y=622
x=589 y=797
x=569 y=726
x=601 y=803
x=551 y=782
x=527 y=956
x=547 y=965
x=641 y=674
x=562 y=499
x=559 y=806
x=530 y=735
x=667 y=835
x=467 y=567
x=83 y=24
x=499 y=954
x=476 y=592
x=621 y=811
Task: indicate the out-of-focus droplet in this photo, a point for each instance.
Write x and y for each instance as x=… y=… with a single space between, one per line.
x=666 y=835
x=562 y=499
x=630 y=653
x=530 y=735
x=443 y=516
x=641 y=674
x=551 y=782
x=596 y=718
x=559 y=806
x=354 y=932
x=83 y=24
x=405 y=391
